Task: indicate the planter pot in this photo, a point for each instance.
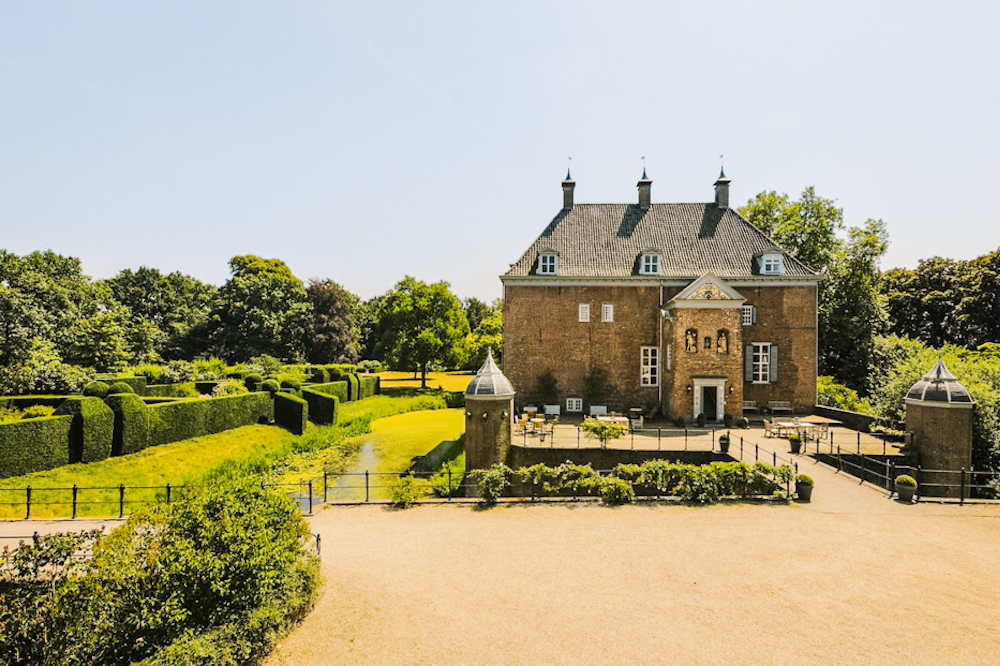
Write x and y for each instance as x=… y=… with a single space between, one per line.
x=804 y=491
x=724 y=445
x=905 y=493
x=796 y=445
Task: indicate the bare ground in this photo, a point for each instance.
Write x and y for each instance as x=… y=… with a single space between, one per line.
x=862 y=579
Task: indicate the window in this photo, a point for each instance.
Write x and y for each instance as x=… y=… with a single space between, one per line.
x=760 y=363
x=748 y=316
x=584 y=314
x=574 y=404
x=547 y=264
x=650 y=366
x=772 y=264
x=607 y=312
x=650 y=264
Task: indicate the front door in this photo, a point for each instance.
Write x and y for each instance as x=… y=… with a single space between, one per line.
x=709 y=399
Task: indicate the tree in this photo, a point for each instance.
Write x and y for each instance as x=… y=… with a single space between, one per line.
x=367 y=317
x=421 y=325
x=486 y=336
x=262 y=309
x=331 y=334
x=807 y=228
x=475 y=311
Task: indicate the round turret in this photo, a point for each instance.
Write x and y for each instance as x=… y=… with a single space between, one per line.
x=939 y=385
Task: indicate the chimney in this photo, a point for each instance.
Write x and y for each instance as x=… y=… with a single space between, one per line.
x=645 y=186
x=568 y=186
x=722 y=190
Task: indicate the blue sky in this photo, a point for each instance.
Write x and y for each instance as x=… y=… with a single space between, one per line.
x=365 y=141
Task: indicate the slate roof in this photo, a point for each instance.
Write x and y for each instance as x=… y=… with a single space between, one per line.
x=489 y=381
x=606 y=241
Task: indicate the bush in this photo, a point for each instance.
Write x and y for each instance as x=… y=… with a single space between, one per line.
x=265 y=364
x=251 y=380
x=368 y=386
x=370 y=366
x=404 y=491
x=293 y=384
x=174 y=421
x=34 y=445
x=131 y=433
x=92 y=429
x=322 y=407
x=906 y=480
x=96 y=390
x=291 y=412
x=337 y=389
x=61 y=378
x=176 y=372
x=120 y=387
x=805 y=479
x=229 y=387
x=831 y=394
x=615 y=491
x=271 y=386
x=492 y=482
x=151 y=371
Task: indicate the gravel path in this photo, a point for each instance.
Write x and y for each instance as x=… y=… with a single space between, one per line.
x=861 y=580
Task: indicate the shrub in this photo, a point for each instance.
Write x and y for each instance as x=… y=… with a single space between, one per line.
x=700 y=420
x=547 y=387
x=60 y=378
x=338 y=389
x=120 y=387
x=37 y=411
x=229 y=387
x=322 y=407
x=492 y=482
x=131 y=433
x=96 y=389
x=176 y=372
x=615 y=491
x=368 y=386
x=353 y=387
x=831 y=394
x=151 y=371
x=404 y=491
x=174 y=421
x=33 y=445
x=290 y=383
x=92 y=428
x=271 y=385
x=291 y=412
x=251 y=380
x=906 y=480
x=805 y=479
x=370 y=366
x=211 y=368
x=265 y=364
x=602 y=431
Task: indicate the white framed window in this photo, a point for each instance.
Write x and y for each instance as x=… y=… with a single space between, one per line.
x=748 y=315
x=772 y=264
x=574 y=404
x=584 y=312
x=608 y=312
x=650 y=264
x=650 y=366
x=547 y=264
x=761 y=363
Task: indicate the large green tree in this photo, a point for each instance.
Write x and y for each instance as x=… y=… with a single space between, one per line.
x=262 y=309
x=851 y=312
x=421 y=325
x=331 y=334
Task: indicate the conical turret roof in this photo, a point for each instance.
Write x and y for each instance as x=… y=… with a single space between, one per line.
x=489 y=382
x=939 y=385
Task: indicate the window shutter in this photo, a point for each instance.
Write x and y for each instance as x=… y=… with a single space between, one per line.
x=748 y=363
x=753 y=314
x=774 y=364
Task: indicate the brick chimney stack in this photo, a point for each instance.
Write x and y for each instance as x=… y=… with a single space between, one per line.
x=645 y=186
x=568 y=186
x=722 y=190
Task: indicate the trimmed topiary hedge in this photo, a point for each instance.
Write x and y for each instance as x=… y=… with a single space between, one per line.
x=96 y=390
x=22 y=402
x=368 y=386
x=322 y=407
x=174 y=421
x=291 y=412
x=92 y=431
x=318 y=374
x=182 y=390
x=338 y=389
x=353 y=387
x=251 y=380
x=120 y=388
x=33 y=445
x=137 y=384
x=131 y=424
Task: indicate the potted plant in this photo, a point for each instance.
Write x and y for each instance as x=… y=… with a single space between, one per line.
x=795 y=442
x=724 y=442
x=906 y=486
x=700 y=420
x=804 y=487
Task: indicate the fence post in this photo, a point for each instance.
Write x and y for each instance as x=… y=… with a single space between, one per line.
x=658 y=437
x=310 y=496
x=449 y=483
x=886 y=471
x=27 y=513
x=961 y=488
x=318 y=550
x=831 y=443
x=774 y=458
x=756 y=452
x=325 y=486
x=633 y=437
x=840 y=458
x=121 y=500
x=168 y=493
x=920 y=479
x=685 y=438
x=74 y=501
x=367 y=496
x=741 y=451
x=578 y=437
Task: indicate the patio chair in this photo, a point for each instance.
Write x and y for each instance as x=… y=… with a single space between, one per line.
x=768 y=430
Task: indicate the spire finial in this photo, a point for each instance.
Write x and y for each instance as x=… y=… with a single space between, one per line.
x=722 y=168
x=569 y=163
x=643 y=158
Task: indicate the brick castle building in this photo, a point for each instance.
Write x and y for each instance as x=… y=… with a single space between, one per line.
x=685 y=309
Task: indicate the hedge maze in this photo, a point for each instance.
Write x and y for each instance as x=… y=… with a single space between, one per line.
x=88 y=428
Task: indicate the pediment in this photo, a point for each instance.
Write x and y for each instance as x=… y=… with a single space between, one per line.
x=708 y=291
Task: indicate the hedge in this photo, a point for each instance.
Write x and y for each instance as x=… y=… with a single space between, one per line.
x=291 y=412
x=22 y=402
x=369 y=386
x=32 y=445
x=131 y=423
x=92 y=431
x=137 y=383
x=206 y=387
x=337 y=389
x=318 y=374
x=182 y=390
x=184 y=419
x=322 y=407
x=353 y=387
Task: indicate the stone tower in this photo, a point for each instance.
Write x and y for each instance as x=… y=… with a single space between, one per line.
x=489 y=408
x=939 y=414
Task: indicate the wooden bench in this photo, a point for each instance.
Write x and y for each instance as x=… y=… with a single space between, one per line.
x=749 y=406
x=775 y=406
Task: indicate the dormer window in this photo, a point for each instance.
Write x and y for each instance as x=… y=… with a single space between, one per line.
x=650 y=264
x=548 y=264
x=772 y=263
